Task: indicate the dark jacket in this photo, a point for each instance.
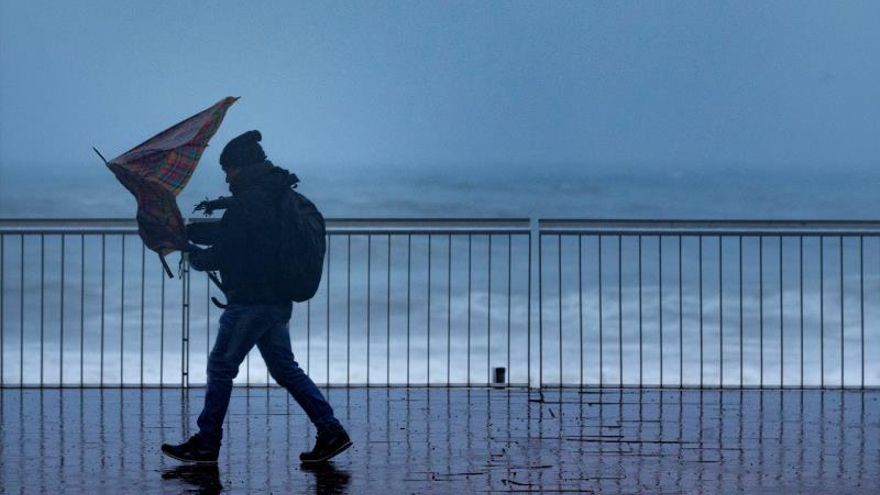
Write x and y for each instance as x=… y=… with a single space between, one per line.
x=244 y=244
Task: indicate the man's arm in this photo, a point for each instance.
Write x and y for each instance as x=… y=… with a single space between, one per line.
x=204 y=260
x=230 y=241
x=209 y=205
x=204 y=233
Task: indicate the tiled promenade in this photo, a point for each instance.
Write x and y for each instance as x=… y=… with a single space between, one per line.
x=452 y=441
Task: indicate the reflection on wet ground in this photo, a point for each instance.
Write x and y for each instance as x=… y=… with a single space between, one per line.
x=460 y=440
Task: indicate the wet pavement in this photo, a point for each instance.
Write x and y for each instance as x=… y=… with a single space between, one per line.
x=460 y=440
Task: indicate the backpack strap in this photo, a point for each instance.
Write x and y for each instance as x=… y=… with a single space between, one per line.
x=213 y=277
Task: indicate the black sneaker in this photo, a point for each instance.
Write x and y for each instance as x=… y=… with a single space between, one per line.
x=327 y=446
x=192 y=450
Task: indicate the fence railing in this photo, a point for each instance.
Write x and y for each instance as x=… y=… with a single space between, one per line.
x=709 y=303
x=439 y=302
x=445 y=302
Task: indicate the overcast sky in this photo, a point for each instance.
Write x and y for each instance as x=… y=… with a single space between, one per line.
x=646 y=83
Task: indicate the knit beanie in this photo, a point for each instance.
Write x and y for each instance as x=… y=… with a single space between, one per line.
x=243 y=150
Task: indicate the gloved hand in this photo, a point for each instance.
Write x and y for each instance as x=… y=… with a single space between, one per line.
x=205 y=206
x=210 y=205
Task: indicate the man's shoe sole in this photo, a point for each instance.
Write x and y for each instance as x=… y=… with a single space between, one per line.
x=191 y=461
x=342 y=448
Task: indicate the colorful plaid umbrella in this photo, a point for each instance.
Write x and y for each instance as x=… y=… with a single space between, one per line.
x=156 y=170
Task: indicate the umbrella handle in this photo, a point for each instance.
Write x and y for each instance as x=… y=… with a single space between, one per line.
x=165 y=265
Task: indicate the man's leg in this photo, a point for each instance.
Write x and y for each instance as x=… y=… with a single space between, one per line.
x=274 y=345
x=240 y=328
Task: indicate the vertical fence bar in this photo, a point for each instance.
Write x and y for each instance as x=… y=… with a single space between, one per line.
x=348 y=316
x=601 y=347
x=162 y=328
x=842 y=326
x=183 y=330
x=741 y=325
x=408 y=299
x=188 y=274
x=329 y=238
x=529 y=316
x=580 y=313
x=620 y=310
x=821 y=311
x=720 y=313
x=559 y=299
x=247 y=364
x=308 y=336
x=184 y=324
x=387 y=316
x=641 y=355
x=42 y=303
x=428 y=327
x=103 y=277
x=143 y=285
x=700 y=263
x=801 y=289
x=448 y=307
x=122 y=314
x=60 y=318
x=680 y=315
x=21 y=316
x=2 y=306
x=761 y=303
x=660 y=293
x=369 y=303
x=470 y=256
x=489 y=316
x=862 y=306
x=509 y=293
x=540 y=310
x=781 y=322
x=207 y=317
x=82 y=307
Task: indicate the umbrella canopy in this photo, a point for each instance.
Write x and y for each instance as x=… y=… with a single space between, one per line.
x=156 y=170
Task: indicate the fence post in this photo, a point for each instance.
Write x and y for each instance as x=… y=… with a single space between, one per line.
x=533 y=224
x=184 y=323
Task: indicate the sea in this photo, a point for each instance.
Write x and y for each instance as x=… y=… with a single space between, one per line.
x=452 y=309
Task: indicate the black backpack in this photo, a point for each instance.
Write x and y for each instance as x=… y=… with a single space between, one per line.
x=302 y=247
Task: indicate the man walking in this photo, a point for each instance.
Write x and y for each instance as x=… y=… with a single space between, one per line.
x=244 y=247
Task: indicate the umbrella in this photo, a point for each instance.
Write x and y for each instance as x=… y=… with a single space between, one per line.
x=156 y=170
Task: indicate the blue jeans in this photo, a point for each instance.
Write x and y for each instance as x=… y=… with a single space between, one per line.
x=266 y=326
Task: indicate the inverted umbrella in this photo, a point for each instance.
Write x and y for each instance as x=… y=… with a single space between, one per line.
x=155 y=172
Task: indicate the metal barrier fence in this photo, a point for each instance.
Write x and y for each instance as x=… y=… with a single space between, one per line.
x=709 y=303
x=402 y=302
x=446 y=302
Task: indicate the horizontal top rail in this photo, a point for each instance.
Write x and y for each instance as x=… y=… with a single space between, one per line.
x=429 y=225
x=365 y=226
x=709 y=227
x=334 y=225
x=67 y=226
